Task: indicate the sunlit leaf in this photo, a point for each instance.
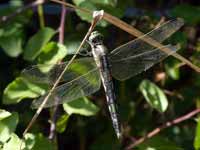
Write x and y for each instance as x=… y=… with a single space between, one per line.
x=78 y=2
x=14 y=143
x=38 y=142
x=85 y=16
x=16 y=24
x=29 y=141
x=16 y=3
x=197 y=136
x=62 y=123
x=12 y=45
x=21 y=88
x=11 y=39
x=36 y=43
x=154 y=95
x=51 y=53
x=172 y=69
x=4 y=114
x=12 y=32
x=8 y=126
x=9 y=30
x=105 y=2
x=81 y=106
x=108 y=6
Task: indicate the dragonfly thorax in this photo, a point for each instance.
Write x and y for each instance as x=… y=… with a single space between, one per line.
x=98 y=51
x=98 y=48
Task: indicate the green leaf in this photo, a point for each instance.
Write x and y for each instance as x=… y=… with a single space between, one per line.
x=14 y=28
x=85 y=16
x=92 y=5
x=21 y=88
x=12 y=32
x=16 y=3
x=62 y=123
x=78 y=2
x=14 y=143
x=51 y=53
x=172 y=68
x=197 y=136
x=154 y=95
x=4 y=114
x=29 y=141
x=191 y=14
x=158 y=143
x=11 y=39
x=72 y=42
x=81 y=106
x=179 y=37
x=8 y=126
x=20 y=19
x=103 y=2
x=36 y=43
x=12 y=45
x=42 y=143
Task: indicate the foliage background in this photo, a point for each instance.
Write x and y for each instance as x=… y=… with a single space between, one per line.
x=90 y=127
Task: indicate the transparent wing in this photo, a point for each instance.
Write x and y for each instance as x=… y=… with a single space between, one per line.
x=81 y=86
x=138 y=46
x=137 y=55
x=81 y=78
x=133 y=65
x=49 y=73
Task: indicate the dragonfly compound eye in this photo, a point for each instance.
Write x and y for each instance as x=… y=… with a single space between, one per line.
x=96 y=38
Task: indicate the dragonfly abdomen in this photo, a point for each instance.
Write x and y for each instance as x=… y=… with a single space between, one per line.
x=99 y=52
x=110 y=93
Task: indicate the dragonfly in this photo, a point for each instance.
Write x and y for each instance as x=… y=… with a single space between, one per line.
x=85 y=75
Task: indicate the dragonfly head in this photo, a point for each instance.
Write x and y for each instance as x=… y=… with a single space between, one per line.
x=95 y=38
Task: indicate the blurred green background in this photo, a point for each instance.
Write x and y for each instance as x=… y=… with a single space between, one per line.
x=31 y=37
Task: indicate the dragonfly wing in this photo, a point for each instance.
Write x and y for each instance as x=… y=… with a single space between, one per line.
x=134 y=65
x=83 y=85
x=138 y=46
x=49 y=73
x=81 y=78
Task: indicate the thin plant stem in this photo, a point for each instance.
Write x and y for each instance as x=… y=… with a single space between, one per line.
x=164 y=126
x=41 y=15
x=52 y=132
